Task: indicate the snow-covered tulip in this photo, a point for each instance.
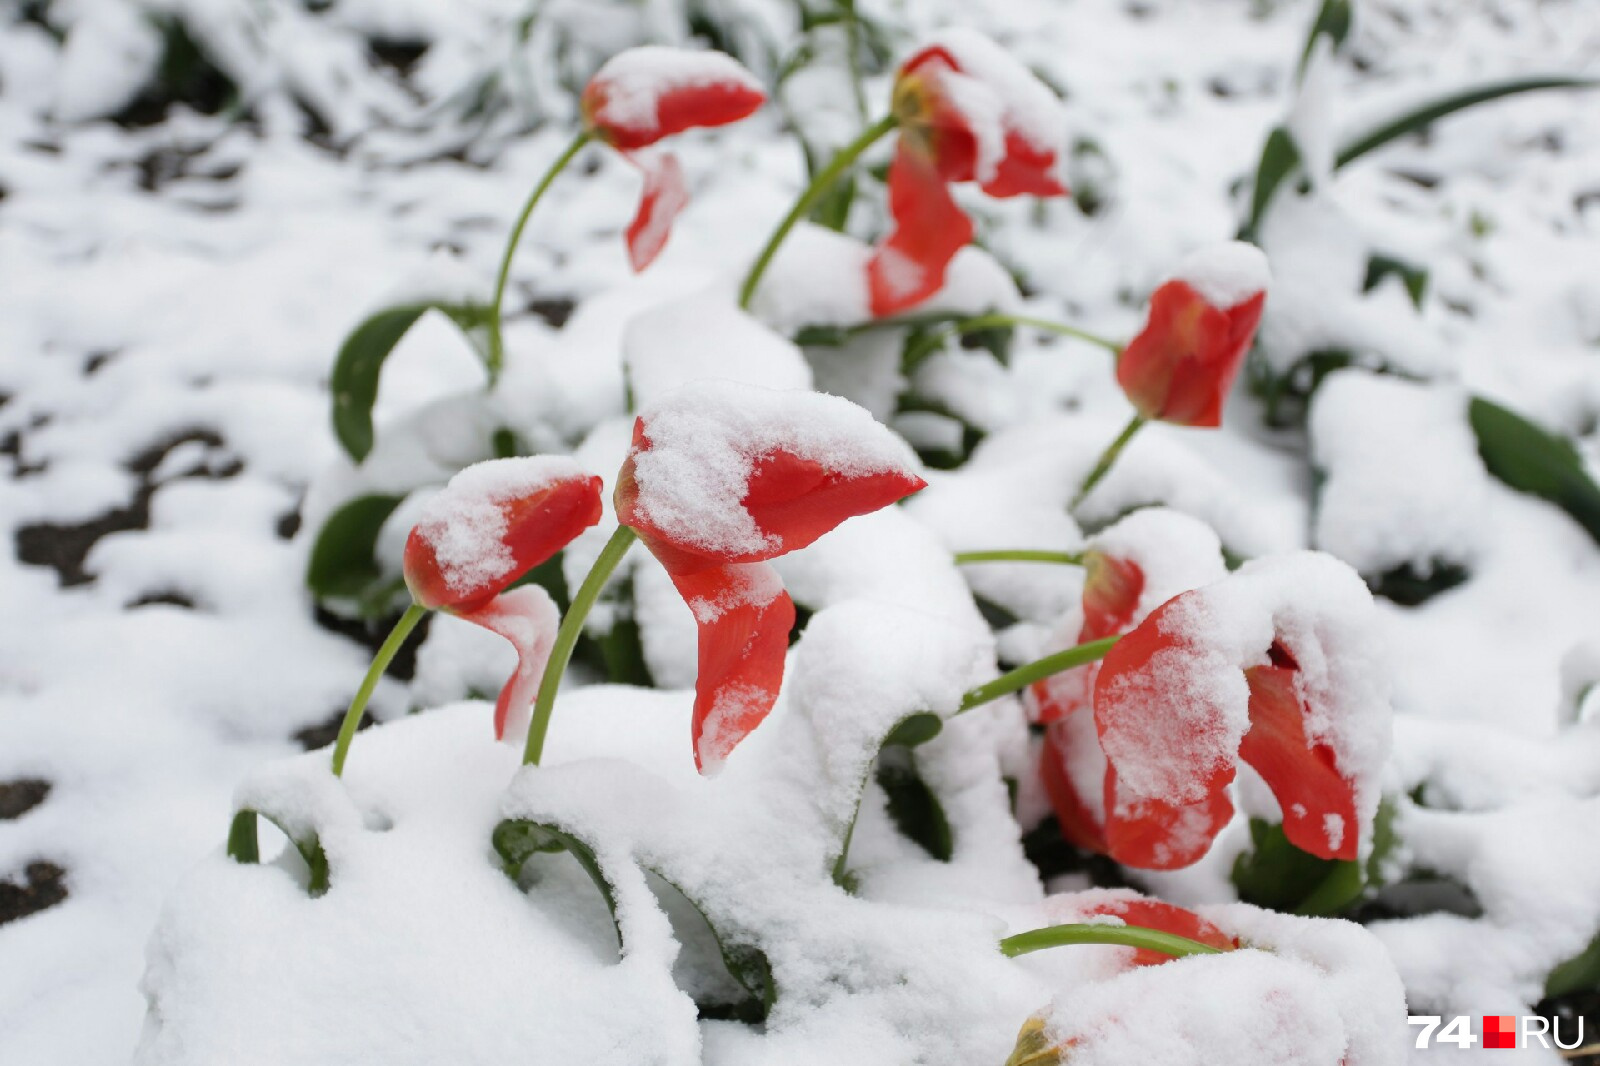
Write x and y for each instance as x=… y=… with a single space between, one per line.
x=1274 y=665
x=491 y=524
x=966 y=111
x=1140 y=912
x=723 y=477
x=644 y=94
x=1201 y=322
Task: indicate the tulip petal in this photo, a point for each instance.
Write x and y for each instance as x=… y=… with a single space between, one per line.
x=744 y=616
x=1073 y=769
x=929 y=230
x=1319 y=804
x=797 y=500
x=1165 y=918
x=663 y=196
x=1024 y=170
x=492 y=523
x=528 y=618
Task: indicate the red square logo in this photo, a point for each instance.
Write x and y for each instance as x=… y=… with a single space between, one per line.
x=1499 y=1030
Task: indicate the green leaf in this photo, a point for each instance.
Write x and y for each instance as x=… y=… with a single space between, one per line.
x=1413 y=277
x=1280 y=157
x=1409 y=587
x=748 y=965
x=1530 y=459
x=913 y=806
x=1581 y=973
x=1277 y=875
x=244 y=847
x=1419 y=117
x=517 y=840
x=922 y=820
x=1332 y=19
x=354 y=383
x=343 y=565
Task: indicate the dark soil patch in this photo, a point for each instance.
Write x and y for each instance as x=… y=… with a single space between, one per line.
x=167 y=598
x=371 y=633
x=64 y=546
x=44 y=887
x=321 y=735
x=21 y=796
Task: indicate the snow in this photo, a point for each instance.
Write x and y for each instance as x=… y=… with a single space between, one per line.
x=706 y=440
x=199 y=273
x=1225 y=275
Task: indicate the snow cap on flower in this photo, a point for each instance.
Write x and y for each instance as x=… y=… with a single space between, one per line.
x=966 y=111
x=492 y=523
x=1200 y=324
x=722 y=477
x=1276 y=665
x=644 y=94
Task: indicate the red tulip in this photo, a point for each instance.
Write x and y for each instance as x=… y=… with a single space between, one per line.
x=722 y=477
x=1214 y=676
x=644 y=94
x=1182 y=364
x=491 y=524
x=966 y=112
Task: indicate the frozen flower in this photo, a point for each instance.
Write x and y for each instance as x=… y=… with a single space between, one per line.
x=644 y=94
x=723 y=477
x=491 y=524
x=966 y=111
x=1274 y=665
x=1200 y=324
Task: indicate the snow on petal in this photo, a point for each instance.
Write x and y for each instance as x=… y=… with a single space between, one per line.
x=644 y=94
x=724 y=472
x=491 y=523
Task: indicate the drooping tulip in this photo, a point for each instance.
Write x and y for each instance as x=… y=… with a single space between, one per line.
x=1274 y=665
x=1200 y=324
x=492 y=523
x=645 y=94
x=966 y=111
x=722 y=477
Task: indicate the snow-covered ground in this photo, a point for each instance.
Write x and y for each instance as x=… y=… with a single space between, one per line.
x=172 y=296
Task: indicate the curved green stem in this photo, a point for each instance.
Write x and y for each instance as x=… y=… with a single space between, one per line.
x=1019 y=555
x=352 y=717
x=1107 y=459
x=1130 y=936
x=1027 y=674
x=567 y=639
x=496 y=342
x=819 y=185
x=990 y=320
x=997 y=320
